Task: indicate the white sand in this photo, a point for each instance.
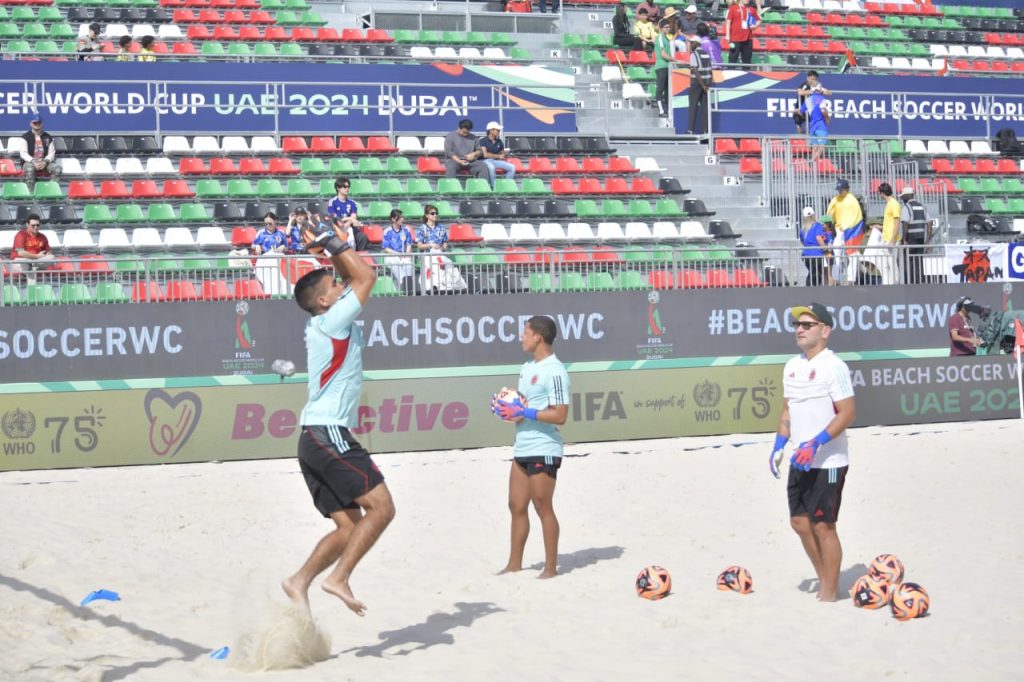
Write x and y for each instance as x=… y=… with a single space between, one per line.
x=196 y=552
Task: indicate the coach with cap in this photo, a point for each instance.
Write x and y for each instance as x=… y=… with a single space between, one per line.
x=916 y=233
x=39 y=154
x=460 y=151
x=494 y=153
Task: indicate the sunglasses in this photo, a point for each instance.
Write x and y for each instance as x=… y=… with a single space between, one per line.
x=345 y=186
x=431 y=212
x=806 y=325
x=33 y=224
x=269 y=222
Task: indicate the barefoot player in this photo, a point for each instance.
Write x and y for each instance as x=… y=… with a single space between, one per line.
x=544 y=383
x=344 y=482
x=818 y=408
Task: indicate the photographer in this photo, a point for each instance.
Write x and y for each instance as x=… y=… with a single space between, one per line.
x=962 y=339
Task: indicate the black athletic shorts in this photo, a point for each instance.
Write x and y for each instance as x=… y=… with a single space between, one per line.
x=817 y=493
x=336 y=467
x=536 y=465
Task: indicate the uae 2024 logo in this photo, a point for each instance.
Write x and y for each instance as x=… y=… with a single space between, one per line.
x=245 y=360
x=655 y=347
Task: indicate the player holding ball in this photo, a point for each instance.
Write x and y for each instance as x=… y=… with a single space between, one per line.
x=543 y=407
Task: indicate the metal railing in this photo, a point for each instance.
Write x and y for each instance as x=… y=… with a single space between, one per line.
x=538 y=269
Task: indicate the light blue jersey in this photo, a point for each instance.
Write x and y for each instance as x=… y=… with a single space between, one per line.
x=334 y=357
x=543 y=384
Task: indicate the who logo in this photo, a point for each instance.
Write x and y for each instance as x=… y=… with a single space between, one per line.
x=1015 y=261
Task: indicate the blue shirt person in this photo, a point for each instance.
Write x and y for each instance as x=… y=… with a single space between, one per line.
x=270 y=239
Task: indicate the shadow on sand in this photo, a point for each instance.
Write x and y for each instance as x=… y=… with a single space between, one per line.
x=847 y=577
x=431 y=632
x=581 y=558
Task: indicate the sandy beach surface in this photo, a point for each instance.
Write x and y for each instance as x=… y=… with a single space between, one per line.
x=196 y=552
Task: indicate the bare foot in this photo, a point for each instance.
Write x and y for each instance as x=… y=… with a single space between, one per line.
x=509 y=569
x=547 y=573
x=342 y=591
x=296 y=591
x=822 y=596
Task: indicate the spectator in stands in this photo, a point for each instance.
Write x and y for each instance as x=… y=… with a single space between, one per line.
x=460 y=151
x=710 y=44
x=689 y=22
x=397 y=243
x=146 y=53
x=845 y=211
x=700 y=85
x=817 y=117
x=653 y=13
x=270 y=239
x=664 y=55
x=437 y=270
x=348 y=212
x=39 y=154
x=671 y=15
x=962 y=339
x=31 y=250
x=890 y=236
x=297 y=221
x=813 y=236
x=543 y=5
x=494 y=153
x=646 y=30
x=622 y=36
x=88 y=46
x=809 y=85
x=916 y=233
x=431 y=236
x=124 y=52
x=830 y=258
x=740 y=22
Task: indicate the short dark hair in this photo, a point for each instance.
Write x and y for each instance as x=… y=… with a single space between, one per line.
x=466 y=123
x=300 y=211
x=124 y=41
x=812 y=72
x=396 y=213
x=271 y=215
x=702 y=30
x=341 y=181
x=33 y=216
x=306 y=289
x=95 y=28
x=886 y=189
x=642 y=10
x=543 y=325
x=146 y=41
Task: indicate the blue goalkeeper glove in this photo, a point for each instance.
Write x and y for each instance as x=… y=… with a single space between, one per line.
x=514 y=410
x=804 y=455
x=775 y=459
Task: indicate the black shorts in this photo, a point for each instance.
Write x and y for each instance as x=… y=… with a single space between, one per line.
x=536 y=465
x=817 y=493
x=336 y=467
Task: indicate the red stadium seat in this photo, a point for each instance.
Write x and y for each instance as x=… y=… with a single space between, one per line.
x=661 y=279
x=216 y=290
x=942 y=166
x=563 y=186
x=146 y=291
x=574 y=254
x=429 y=165
x=7 y=168
x=185 y=48
x=281 y=166
x=82 y=190
x=606 y=255
x=964 y=166
x=323 y=144
x=276 y=34
x=691 y=279
x=191 y=165
x=328 y=35
x=750 y=145
x=516 y=255
x=616 y=57
x=379 y=144
x=986 y=167
x=210 y=16
x=620 y=164
x=114 y=189
x=717 y=277
x=540 y=164
x=746 y=277
x=303 y=34
x=378 y=35
x=375 y=234
x=94 y=263
x=352 y=35
x=236 y=16
x=177 y=189
x=640 y=58
x=567 y=164
x=198 y=32
x=145 y=189
x=251 y=166
x=463 y=232
x=352 y=145
x=223 y=166
x=590 y=186
x=750 y=166
x=184 y=16
x=242 y=236
x=260 y=17
x=251 y=34
x=249 y=288
x=594 y=164
x=613 y=186
x=294 y=145
x=726 y=146
x=642 y=185
x=181 y=290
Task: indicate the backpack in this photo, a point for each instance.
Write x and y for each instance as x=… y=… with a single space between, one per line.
x=1006 y=142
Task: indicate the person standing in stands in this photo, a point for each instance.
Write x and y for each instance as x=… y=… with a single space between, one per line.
x=962 y=339
x=347 y=211
x=709 y=42
x=664 y=55
x=889 y=266
x=461 y=151
x=700 y=85
x=39 y=154
x=814 y=237
x=740 y=22
x=916 y=233
x=844 y=209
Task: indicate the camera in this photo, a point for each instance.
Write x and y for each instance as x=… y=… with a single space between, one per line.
x=970 y=306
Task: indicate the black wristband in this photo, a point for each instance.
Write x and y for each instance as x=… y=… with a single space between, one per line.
x=336 y=246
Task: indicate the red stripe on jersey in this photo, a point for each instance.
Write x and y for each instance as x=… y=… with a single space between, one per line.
x=340 y=350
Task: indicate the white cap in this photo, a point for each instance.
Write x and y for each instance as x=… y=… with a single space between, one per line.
x=691 y=9
x=493 y=125
x=907 y=190
x=808 y=212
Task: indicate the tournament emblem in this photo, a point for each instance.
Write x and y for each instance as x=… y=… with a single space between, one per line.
x=534 y=379
x=18 y=423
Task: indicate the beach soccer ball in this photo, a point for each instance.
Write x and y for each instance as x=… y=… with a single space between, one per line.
x=887 y=567
x=654 y=582
x=507 y=395
x=737 y=579
x=909 y=601
x=870 y=592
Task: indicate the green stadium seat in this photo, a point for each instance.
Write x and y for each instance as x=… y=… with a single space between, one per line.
x=213 y=48
x=1013 y=186
x=390 y=187
x=263 y=49
x=342 y=166
x=378 y=211
x=452 y=38
x=161 y=213
x=571 y=281
x=313 y=166
x=312 y=18
x=302 y=188
x=240 y=188
x=506 y=186
x=399 y=165
x=413 y=210
x=587 y=209
x=40 y=294
x=629 y=279
x=239 y=50
x=594 y=58
x=33 y=31
x=446 y=211
x=17 y=47
x=293 y=50
x=110 y=292
x=197 y=264
x=430 y=37
x=420 y=187
x=502 y=39
x=667 y=208
x=614 y=208
x=129 y=214
x=600 y=281
x=478 y=187
x=209 y=189
x=477 y=38
x=74 y=293
x=12 y=295
x=573 y=41
x=541 y=281
x=327 y=187
x=16 y=191
x=270 y=188
x=61 y=31
x=640 y=209
x=991 y=186
x=405 y=36
x=194 y=213
x=370 y=165
x=969 y=185
x=48 y=190
x=385 y=286
x=359 y=187
x=997 y=206
x=1016 y=207
x=600 y=41
x=450 y=187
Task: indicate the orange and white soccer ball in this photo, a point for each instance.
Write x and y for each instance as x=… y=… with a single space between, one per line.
x=737 y=579
x=871 y=592
x=887 y=567
x=654 y=582
x=909 y=601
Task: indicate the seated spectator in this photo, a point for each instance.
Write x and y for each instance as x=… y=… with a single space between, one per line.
x=646 y=30
x=88 y=46
x=39 y=154
x=146 y=53
x=621 y=35
x=689 y=22
x=653 y=13
x=397 y=243
x=31 y=249
x=495 y=154
x=460 y=151
x=270 y=239
x=297 y=222
x=438 y=271
x=431 y=236
x=348 y=211
x=124 y=52
x=543 y=4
